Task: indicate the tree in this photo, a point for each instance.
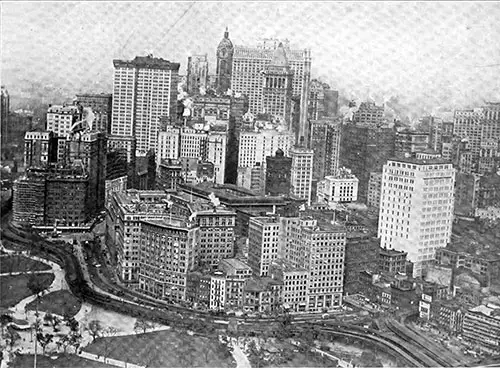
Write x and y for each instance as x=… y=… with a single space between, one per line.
x=36 y=287
x=11 y=336
x=44 y=340
x=142 y=325
x=206 y=350
x=5 y=319
x=75 y=340
x=107 y=342
x=94 y=328
x=256 y=355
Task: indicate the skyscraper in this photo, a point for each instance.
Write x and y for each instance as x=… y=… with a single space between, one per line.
x=248 y=64
x=4 y=115
x=277 y=87
x=416 y=208
x=101 y=104
x=197 y=74
x=60 y=119
x=301 y=178
x=225 y=52
x=144 y=90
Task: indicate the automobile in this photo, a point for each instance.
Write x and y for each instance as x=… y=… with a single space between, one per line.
x=97 y=265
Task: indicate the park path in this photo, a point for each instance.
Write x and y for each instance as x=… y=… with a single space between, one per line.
x=87 y=312
x=238 y=355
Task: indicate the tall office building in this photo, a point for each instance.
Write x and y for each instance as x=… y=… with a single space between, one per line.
x=264 y=243
x=254 y=146
x=416 y=208
x=480 y=127
x=40 y=149
x=101 y=105
x=278 y=174
x=190 y=143
x=369 y=113
x=90 y=150
x=144 y=90
x=277 y=87
x=166 y=254
x=301 y=177
x=325 y=142
x=365 y=149
x=4 y=115
x=248 y=64
x=323 y=102
x=197 y=74
x=319 y=248
x=61 y=119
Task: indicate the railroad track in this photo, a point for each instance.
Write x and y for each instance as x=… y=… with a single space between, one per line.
x=442 y=357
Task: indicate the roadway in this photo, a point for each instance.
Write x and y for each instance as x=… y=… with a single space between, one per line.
x=167 y=313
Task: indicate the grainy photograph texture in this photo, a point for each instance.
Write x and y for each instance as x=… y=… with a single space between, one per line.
x=250 y=184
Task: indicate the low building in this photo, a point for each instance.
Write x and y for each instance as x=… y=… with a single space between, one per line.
x=481 y=326
x=392 y=261
x=262 y=294
x=339 y=188
x=294 y=282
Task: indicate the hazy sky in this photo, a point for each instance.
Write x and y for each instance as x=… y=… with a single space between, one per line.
x=427 y=54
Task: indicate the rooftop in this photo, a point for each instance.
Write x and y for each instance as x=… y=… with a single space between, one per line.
x=169 y=223
x=235 y=263
x=411 y=160
x=148 y=62
x=490 y=310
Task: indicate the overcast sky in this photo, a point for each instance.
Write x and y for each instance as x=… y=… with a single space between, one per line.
x=426 y=54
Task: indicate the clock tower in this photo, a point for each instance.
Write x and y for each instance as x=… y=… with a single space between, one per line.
x=224 y=63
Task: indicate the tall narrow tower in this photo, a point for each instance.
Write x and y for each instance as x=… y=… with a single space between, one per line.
x=225 y=52
x=277 y=87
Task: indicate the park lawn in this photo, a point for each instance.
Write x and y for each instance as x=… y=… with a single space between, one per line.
x=57 y=302
x=16 y=263
x=13 y=289
x=62 y=361
x=300 y=360
x=163 y=349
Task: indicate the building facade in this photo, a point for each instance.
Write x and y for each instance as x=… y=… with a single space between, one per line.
x=416 y=211
x=339 y=188
x=60 y=119
x=301 y=173
x=144 y=90
x=278 y=174
x=197 y=74
x=225 y=52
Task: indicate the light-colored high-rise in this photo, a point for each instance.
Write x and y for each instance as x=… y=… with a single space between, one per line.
x=254 y=147
x=301 y=175
x=144 y=90
x=416 y=208
x=248 y=64
x=185 y=142
x=60 y=119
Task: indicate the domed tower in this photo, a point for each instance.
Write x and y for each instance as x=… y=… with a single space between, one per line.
x=225 y=52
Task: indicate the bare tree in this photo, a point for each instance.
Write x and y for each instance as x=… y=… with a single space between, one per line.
x=107 y=341
x=142 y=325
x=44 y=340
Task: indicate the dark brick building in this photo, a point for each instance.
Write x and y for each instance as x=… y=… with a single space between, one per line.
x=365 y=149
x=361 y=254
x=278 y=174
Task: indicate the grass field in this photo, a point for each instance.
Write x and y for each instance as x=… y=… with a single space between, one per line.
x=13 y=289
x=58 y=302
x=21 y=264
x=164 y=349
x=62 y=361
